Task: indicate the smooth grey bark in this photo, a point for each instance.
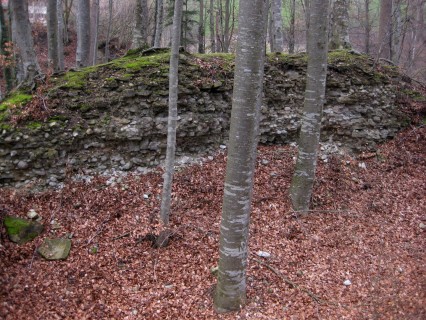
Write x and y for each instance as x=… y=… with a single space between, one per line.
x=173 y=115
x=307 y=23
x=304 y=175
x=292 y=36
x=61 y=31
x=68 y=4
x=227 y=31
x=230 y=291
x=339 y=38
x=212 y=28
x=277 y=44
x=94 y=33
x=83 y=34
x=52 y=34
x=397 y=32
x=140 y=30
x=201 y=41
x=367 y=38
x=108 y=35
x=28 y=67
x=158 y=24
x=4 y=40
x=385 y=29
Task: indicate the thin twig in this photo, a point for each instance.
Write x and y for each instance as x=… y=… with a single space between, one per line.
x=291 y=283
x=121 y=236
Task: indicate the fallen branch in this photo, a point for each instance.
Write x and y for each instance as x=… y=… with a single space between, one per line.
x=291 y=283
x=121 y=236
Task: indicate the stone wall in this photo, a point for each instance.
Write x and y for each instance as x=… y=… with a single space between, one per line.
x=117 y=118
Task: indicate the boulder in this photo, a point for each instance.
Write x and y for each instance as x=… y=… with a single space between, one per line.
x=22 y=230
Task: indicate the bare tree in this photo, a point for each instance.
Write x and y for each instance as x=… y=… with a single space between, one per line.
x=231 y=286
x=277 y=44
x=367 y=27
x=172 y=119
x=108 y=34
x=158 y=23
x=212 y=27
x=140 y=31
x=61 y=30
x=52 y=34
x=83 y=33
x=94 y=34
x=303 y=178
x=6 y=53
x=339 y=38
x=28 y=67
x=201 y=40
x=292 y=36
x=385 y=29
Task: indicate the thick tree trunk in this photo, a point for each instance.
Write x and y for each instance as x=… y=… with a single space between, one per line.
x=83 y=34
x=158 y=23
x=303 y=178
x=172 y=119
x=307 y=23
x=212 y=28
x=52 y=34
x=94 y=33
x=140 y=31
x=277 y=26
x=340 y=25
x=28 y=66
x=227 y=31
x=61 y=31
x=367 y=27
x=385 y=29
x=4 y=40
x=247 y=95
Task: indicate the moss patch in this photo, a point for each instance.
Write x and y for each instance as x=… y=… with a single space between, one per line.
x=133 y=64
x=16 y=99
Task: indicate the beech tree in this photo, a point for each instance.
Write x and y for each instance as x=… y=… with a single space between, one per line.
x=6 y=53
x=211 y=27
x=108 y=34
x=201 y=42
x=303 y=178
x=247 y=96
x=61 y=33
x=385 y=29
x=28 y=67
x=94 y=34
x=53 y=34
x=277 y=43
x=172 y=118
x=158 y=23
x=292 y=29
x=140 y=31
x=339 y=38
x=83 y=33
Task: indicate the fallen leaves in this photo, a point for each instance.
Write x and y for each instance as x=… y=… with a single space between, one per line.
x=364 y=227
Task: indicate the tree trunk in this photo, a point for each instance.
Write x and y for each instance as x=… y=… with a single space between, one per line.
x=52 y=34
x=212 y=28
x=140 y=31
x=277 y=26
x=172 y=119
x=292 y=36
x=385 y=29
x=108 y=35
x=28 y=67
x=303 y=178
x=397 y=32
x=367 y=27
x=94 y=33
x=83 y=33
x=67 y=12
x=247 y=96
x=158 y=24
x=307 y=23
x=201 y=44
x=227 y=31
x=340 y=25
x=4 y=41
x=61 y=30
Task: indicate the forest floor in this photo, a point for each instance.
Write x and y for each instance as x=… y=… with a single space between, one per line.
x=367 y=226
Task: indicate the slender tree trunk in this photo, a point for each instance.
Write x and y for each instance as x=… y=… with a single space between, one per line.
x=291 y=36
x=28 y=67
x=158 y=24
x=173 y=114
x=52 y=34
x=304 y=175
x=61 y=30
x=397 y=33
x=226 y=32
x=83 y=33
x=108 y=35
x=201 y=42
x=4 y=40
x=385 y=29
x=247 y=96
x=212 y=28
x=307 y=17
x=340 y=25
x=270 y=33
x=140 y=31
x=94 y=33
x=67 y=12
x=277 y=24
x=367 y=27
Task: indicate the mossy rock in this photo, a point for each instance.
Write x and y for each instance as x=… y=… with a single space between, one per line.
x=55 y=249
x=21 y=230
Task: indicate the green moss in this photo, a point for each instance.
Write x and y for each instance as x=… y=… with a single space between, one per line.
x=58 y=118
x=76 y=79
x=16 y=99
x=15 y=225
x=34 y=125
x=85 y=107
x=133 y=64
